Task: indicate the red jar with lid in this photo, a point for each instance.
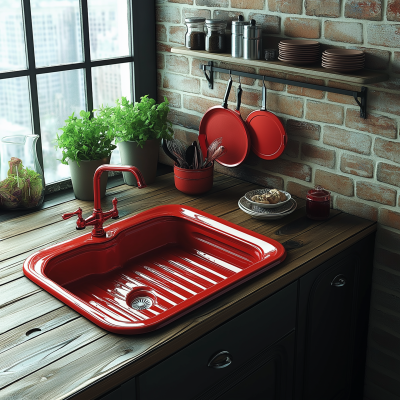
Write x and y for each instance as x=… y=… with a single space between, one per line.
x=318 y=203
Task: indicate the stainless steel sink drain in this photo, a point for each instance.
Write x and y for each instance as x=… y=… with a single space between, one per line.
x=142 y=303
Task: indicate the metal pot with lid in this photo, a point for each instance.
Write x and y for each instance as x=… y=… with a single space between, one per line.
x=252 y=41
x=237 y=36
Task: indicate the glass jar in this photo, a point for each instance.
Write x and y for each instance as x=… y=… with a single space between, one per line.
x=21 y=177
x=215 y=38
x=318 y=203
x=195 y=35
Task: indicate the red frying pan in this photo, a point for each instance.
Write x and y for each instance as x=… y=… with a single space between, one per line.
x=219 y=121
x=268 y=136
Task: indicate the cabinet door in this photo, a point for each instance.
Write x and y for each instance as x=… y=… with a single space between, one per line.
x=126 y=391
x=330 y=309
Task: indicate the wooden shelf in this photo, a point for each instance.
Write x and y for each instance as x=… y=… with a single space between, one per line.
x=362 y=77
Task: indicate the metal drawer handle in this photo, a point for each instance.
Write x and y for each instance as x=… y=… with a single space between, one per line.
x=221 y=360
x=339 y=281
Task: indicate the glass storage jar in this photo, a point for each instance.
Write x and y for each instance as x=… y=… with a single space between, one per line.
x=215 y=38
x=21 y=177
x=318 y=203
x=195 y=35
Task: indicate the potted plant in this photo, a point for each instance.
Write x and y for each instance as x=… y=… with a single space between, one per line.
x=138 y=129
x=86 y=143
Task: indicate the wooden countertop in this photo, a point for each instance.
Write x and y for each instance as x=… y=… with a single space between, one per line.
x=47 y=350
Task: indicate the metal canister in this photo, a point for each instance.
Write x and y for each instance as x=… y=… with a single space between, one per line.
x=252 y=41
x=237 y=37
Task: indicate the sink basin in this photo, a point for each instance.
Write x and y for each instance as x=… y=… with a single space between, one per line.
x=152 y=268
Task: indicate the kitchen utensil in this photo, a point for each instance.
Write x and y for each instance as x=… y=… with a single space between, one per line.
x=252 y=41
x=211 y=148
x=217 y=153
x=167 y=152
x=177 y=148
x=255 y=192
x=195 y=156
x=268 y=136
x=237 y=36
x=219 y=121
x=189 y=155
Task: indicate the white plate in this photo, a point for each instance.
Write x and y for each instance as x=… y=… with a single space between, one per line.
x=252 y=193
x=266 y=216
x=255 y=209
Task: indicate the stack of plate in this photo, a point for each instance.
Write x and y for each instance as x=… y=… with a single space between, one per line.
x=343 y=60
x=299 y=52
x=266 y=211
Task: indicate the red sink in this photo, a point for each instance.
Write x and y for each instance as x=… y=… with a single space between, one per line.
x=152 y=268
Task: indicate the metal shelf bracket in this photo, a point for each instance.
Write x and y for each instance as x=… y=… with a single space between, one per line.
x=210 y=77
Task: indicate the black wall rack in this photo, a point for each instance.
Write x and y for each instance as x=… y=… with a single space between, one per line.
x=359 y=97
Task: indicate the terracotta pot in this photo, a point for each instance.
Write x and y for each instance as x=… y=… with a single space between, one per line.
x=82 y=178
x=145 y=159
x=193 y=181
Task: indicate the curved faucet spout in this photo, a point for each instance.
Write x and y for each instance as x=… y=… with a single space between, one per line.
x=108 y=167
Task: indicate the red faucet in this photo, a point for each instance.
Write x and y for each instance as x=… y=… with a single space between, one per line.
x=98 y=217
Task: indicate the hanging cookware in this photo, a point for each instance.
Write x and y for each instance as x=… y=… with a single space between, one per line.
x=219 y=121
x=268 y=136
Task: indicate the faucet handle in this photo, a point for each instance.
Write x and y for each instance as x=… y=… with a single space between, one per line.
x=78 y=212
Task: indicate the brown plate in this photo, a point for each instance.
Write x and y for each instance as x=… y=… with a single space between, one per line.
x=299 y=42
x=344 y=52
x=298 y=51
x=344 y=60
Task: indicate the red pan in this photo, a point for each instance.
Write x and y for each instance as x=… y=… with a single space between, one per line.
x=268 y=136
x=219 y=121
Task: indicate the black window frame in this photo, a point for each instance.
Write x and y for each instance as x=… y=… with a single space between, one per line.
x=142 y=42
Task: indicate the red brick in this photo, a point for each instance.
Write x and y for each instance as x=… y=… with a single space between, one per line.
x=292 y=148
x=287 y=168
x=347 y=140
x=160 y=61
x=388 y=173
x=284 y=6
x=270 y=24
x=213 y=3
x=161 y=33
x=375 y=58
x=272 y=85
x=396 y=62
x=177 y=64
x=371 y=10
x=393 y=10
x=177 y=34
x=302 y=91
x=245 y=111
x=356 y=208
x=298 y=190
x=389 y=218
x=218 y=91
x=318 y=155
x=228 y=16
x=393 y=83
x=324 y=112
x=235 y=78
x=252 y=4
x=159 y=79
x=337 y=183
x=195 y=69
x=348 y=32
x=189 y=2
x=303 y=129
x=252 y=97
x=377 y=193
x=341 y=98
x=186 y=136
x=385 y=102
x=173 y=97
x=187 y=120
x=252 y=175
x=327 y=8
x=355 y=165
x=387 y=149
x=198 y=104
x=181 y=82
x=195 y=12
x=375 y=123
x=169 y=13
x=309 y=28
x=387 y=35
x=163 y=47
x=285 y=105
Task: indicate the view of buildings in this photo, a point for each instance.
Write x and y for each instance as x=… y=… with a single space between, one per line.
x=58 y=40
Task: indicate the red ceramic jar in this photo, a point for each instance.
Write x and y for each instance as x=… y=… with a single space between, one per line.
x=318 y=203
x=194 y=181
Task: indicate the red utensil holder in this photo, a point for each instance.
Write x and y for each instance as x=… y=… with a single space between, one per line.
x=193 y=181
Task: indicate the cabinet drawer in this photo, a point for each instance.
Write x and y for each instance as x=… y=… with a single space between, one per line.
x=186 y=374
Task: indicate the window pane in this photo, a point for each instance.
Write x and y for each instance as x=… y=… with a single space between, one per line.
x=12 y=41
x=108 y=28
x=56 y=32
x=60 y=94
x=110 y=83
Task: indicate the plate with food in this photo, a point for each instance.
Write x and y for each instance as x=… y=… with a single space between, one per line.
x=268 y=198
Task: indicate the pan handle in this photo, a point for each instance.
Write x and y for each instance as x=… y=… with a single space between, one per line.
x=239 y=97
x=264 y=97
x=228 y=90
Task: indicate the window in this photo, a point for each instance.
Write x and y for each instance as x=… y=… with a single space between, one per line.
x=62 y=56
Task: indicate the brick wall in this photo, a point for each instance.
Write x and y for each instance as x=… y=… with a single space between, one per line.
x=329 y=144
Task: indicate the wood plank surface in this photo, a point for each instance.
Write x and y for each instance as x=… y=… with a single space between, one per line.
x=49 y=351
